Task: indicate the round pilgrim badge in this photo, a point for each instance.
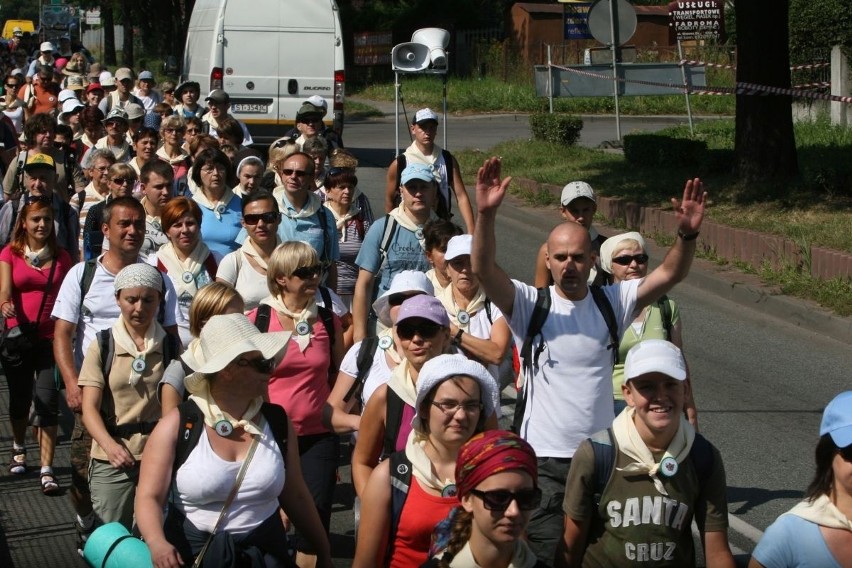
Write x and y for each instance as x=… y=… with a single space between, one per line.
x=219 y=210
x=187 y=277
x=224 y=428
x=668 y=466
x=449 y=490
x=156 y=225
x=35 y=261
x=463 y=317
x=303 y=328
x=419 y=234
x=138 y=365
x=385 y=342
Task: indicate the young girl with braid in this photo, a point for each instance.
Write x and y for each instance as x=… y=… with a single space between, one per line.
x=496 y=474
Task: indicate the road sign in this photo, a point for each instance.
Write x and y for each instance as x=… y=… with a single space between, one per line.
x=604 y=13
x=577 y=20
x=697 y=19
x=93 y=17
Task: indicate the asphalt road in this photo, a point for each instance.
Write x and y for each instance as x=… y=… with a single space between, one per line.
x=760 y=383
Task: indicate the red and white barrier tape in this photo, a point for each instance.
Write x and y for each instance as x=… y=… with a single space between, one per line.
x=741 y=88
x=683 y=62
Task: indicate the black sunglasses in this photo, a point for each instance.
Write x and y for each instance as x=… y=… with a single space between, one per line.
x=269 y=217
x=307 y=272
x=281 y=142
x=626 y=259
x=425 y=329
x=261 y=365
x=122 y=181
x=846 y=453
x=299 y=173
x=527 y=499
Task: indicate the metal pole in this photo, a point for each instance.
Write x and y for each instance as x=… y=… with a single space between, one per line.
x=686 y=88
x=549 y=80
x=396 y=113
x=613 y=7
x=444 y=79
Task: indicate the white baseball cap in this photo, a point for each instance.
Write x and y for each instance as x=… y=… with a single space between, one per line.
x=425 y=114
x=459 y=245
x=575 y=190
x=654 y=356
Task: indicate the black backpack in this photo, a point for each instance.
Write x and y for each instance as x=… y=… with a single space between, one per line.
x=445 y=206
x=106 y=342
x=192 y=422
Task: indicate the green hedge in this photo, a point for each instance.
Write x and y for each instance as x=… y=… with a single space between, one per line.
x=662 y=150
x=556 y=128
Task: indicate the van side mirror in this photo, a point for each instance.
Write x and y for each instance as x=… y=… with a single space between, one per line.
x=170 y=65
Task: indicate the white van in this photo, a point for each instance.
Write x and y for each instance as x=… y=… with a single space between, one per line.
x=269 y=56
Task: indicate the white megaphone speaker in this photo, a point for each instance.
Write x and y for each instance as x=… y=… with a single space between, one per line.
x=437 y=40
x=410 y=57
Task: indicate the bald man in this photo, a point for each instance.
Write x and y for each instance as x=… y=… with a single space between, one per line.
x=567 y=394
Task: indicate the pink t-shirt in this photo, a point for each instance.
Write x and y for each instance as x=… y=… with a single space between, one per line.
x=300 y=381
x=28 y=286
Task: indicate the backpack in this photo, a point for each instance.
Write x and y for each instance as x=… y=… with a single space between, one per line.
x=190 y=433
x=605 y=455
x=264 y=314
x=366 y=354
x=445 y=206
x=393 y=422
x=106 y=342
x=325 y=259
x=539 y=315
x=89 y=269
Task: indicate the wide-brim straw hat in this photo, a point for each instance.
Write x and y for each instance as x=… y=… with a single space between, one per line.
x=224 y=338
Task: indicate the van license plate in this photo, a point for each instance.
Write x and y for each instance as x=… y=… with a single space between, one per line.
x=251 y=108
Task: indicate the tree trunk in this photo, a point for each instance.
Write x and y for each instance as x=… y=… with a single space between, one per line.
x=765 y=144
x=127 y=21
x=108 y=56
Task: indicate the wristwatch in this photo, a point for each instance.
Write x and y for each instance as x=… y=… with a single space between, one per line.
x=689 y=237
x=457 y=338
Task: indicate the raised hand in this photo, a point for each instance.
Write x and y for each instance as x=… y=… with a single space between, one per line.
x=690 y=210
x=490 y=190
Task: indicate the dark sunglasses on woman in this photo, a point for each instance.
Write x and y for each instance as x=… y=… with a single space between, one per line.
x=499 y=500
x=307 y=272
x=268 y=217
x=425 y=329
x=626 y=259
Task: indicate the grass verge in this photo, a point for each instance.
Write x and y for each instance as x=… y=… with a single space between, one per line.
x=360 y=111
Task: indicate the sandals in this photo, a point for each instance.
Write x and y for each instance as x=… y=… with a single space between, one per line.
x=49 y=486
x=18 y=463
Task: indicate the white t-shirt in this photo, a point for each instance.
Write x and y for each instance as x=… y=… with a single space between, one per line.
x=380 y=371
x=100 y=310
x=570 y=397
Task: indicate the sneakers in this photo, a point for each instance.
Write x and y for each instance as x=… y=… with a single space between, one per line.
x=83 y=535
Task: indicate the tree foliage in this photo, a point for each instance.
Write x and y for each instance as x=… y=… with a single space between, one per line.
x=819 y=25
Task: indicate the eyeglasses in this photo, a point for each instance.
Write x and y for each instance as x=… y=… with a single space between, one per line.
x=307 y=272
x=213 y=168
x=450 y=407
x=289 y=172
x=122 y=181
x=425 y=329
x=261 y=365
x=268 y=217
x=102 y=169
x=626 y=259
x=499 y=500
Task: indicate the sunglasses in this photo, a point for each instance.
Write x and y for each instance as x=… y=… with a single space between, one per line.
x=12 y=86
x=269 y=217
x=122 y=181
x=281 y=142
x=425 y=329
x=845 y=453
x=499 y=500
x=626 y=259
x=298 y=173
x=261 y=365
x=398 y=299
x=307 y=272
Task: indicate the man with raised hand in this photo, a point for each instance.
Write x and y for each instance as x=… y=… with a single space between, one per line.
x=567 y=393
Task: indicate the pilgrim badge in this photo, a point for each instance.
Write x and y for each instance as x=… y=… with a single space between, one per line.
x=187 y=277
x=385 y=342
x=224 y=428
x=419 y=234
x=449 y=490
x=463 y=317
x=35 y=261
x=138 y=365
x=668 y=467
x=303 y=328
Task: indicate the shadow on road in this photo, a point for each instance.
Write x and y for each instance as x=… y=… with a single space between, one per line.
x=751 y=497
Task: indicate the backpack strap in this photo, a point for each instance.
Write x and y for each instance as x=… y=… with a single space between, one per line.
x=261 y=320
x=529 y=360
x=366 y=354
x=191 y=424
x=327 y=317
x=391 y=226
x=211 y=266
x=400 y=478
x=106 y=343
x=325 y=294
x=276 y=417
x=605 y=307
x=393 y=422
x=666 y=315
x=445 y=207
x=89 y=269
x=401 y=162
x=488 y=311
x=325 y=258
x=603 y=448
